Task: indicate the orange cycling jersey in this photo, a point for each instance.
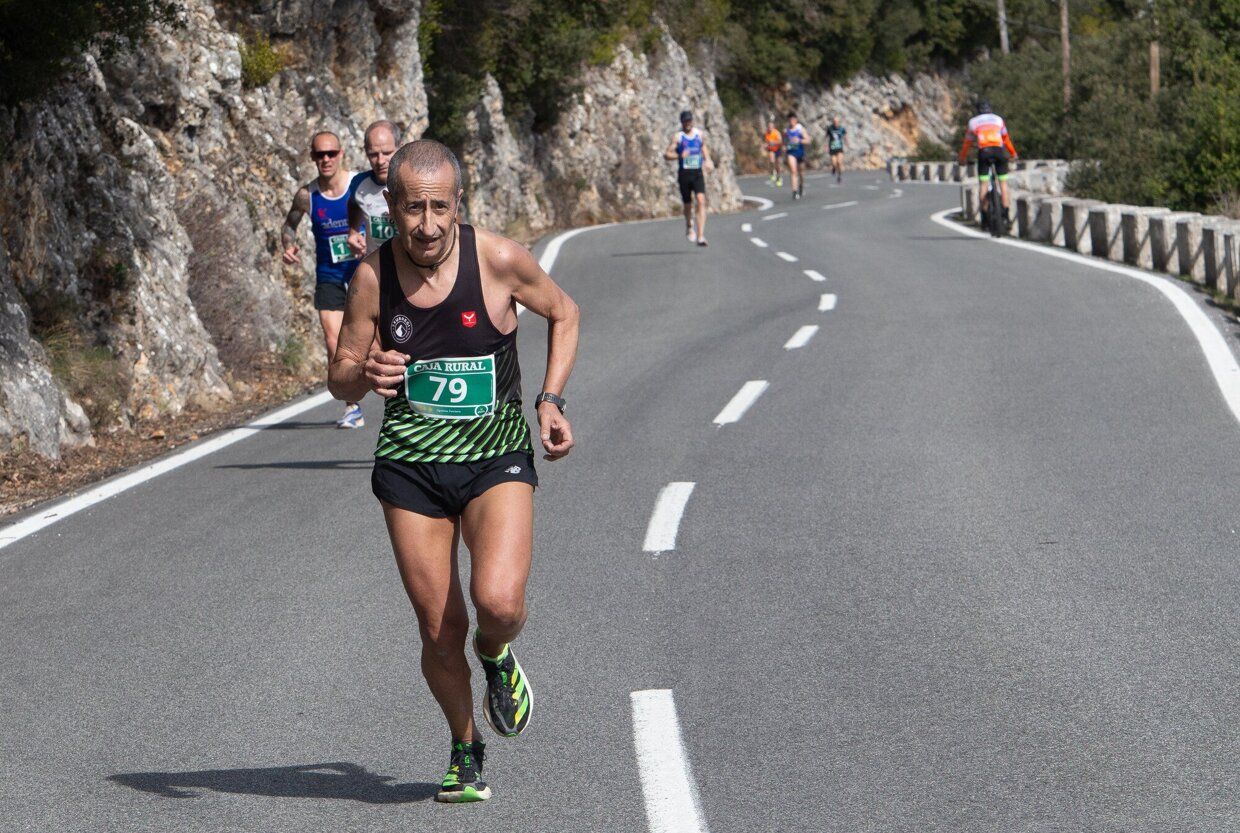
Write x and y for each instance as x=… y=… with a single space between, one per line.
x=989 y=131
x=774 y=141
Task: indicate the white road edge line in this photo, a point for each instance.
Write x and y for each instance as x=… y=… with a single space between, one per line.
x=1218 y=355
x=758 y=241
x=665 y=521
x=745 y=397
x=895 y=192
x=58 y=511
x=763 y=203
x=815 y=275
x=826 y=302
x=775 y=216
x=746 y=227
x=672 y=803
x=786 y=256
x=801 y=337
x=839 y=204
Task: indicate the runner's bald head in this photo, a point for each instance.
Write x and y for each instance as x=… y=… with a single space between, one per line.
x=321 y=134
x=379 y=127
x=425 y=156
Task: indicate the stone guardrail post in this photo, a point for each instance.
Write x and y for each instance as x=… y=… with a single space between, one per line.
x=1048 y=223
x=1106 y=237
x=924 y=173
x=968 y=202
x=1164 y=255
x=1214 y=253
x=1231 y=245
x=1076 y=224
x=941 y=172
x=1135 y=231
x=1190 y=260
x=970 y=170
x=901 y=171
x=1026 y=214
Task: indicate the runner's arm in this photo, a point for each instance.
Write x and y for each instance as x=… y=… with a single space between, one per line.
x=357 y=227
x=710 y=163
x=360 y=365
x=964 y=148
x=1007 y=142
x=671 y=154
x=536 y=291
x=288 y=234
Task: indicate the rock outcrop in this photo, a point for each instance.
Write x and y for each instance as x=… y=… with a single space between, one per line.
x=602 y=159
x=153 y=189
x=885 y=117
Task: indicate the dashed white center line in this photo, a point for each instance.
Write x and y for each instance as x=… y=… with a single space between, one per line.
x=896 y=192
x=672 y=804
x=758 y=241
x=801 y=337
x=826 y=302
x=665 y=522
x=839 y=204
x=746 y=227
x=746 y=396
x=786 y=256
x=870 y=187
x=775 y=216
x=814 y=275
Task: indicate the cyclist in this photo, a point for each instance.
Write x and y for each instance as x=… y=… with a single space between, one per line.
x=774 y=148
x=994 y=144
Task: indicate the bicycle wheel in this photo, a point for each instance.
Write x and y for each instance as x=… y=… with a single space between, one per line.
x=997 y=215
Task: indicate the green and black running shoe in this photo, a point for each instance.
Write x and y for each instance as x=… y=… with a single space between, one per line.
x=510 y=699
x=464 y=783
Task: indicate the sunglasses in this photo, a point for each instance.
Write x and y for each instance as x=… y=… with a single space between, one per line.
x=316 y=155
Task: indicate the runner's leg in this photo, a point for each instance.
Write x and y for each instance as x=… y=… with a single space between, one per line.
x=498 y=528
x=688 y=217
x=700 y=201
x=425 y=550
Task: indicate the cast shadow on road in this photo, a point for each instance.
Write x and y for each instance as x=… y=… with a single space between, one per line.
x=324 y=465
x=946 y=238
x=300 y=425
x=327 y=780
x=651 y=254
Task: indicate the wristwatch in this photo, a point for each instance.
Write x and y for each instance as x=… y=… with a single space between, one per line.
x=549 y=397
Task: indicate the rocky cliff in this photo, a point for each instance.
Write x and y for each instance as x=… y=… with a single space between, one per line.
x=884 y=116
x=143 y=205
x=602 y=160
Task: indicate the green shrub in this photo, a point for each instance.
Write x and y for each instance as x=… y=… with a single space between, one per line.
x=260 y=61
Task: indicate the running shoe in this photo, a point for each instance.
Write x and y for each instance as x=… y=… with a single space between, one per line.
x=702 y=242
x=779 y=183
x=692 y=235
x=352 y=417
x=464 y=783
x=510 y=699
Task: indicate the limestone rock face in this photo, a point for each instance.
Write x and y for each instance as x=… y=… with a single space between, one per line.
x=152 y=192
x=603 y=158
x=884 y=116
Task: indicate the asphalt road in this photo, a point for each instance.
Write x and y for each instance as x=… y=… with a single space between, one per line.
x=969 y=563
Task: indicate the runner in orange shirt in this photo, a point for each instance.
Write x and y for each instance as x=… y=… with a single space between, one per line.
x=774 y=147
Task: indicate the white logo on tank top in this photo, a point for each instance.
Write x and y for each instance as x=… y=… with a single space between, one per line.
x=402 y=329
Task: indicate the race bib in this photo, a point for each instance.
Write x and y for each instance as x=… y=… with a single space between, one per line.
x=452 y=388
x=381 y=227
x=693 y=162
x=340 y=248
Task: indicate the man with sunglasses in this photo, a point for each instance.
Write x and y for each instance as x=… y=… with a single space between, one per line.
x=326 y=199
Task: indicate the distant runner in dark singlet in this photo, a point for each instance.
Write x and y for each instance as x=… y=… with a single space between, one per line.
x=454 y=458
x=326 y=200
x=795 y=140
x=835 y=146
x=688 y=149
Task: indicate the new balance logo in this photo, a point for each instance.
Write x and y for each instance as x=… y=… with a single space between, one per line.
x=512 y=470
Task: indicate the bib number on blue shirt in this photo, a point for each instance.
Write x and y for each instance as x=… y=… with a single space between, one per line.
x=341 y=252
x=452 y=388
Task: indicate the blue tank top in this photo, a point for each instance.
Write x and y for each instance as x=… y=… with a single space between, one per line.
x=691 y=142
x=329 y=220
x=794 y=138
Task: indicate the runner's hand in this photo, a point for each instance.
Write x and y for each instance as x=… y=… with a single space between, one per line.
x=554 y=430
x=357 y=242
x=385 y=370
x=290 y=255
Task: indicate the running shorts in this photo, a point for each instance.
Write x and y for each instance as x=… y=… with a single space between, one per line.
x=797 y=153
x=442 y=490
x=330 y=295
x=1000 y=157
x=691 y=182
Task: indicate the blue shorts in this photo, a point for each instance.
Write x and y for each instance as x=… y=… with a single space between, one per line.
x=797 y=153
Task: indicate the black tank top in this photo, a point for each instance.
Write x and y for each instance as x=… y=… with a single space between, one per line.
x=462 y=399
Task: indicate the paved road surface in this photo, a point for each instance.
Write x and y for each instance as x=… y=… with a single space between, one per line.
x=968 y=563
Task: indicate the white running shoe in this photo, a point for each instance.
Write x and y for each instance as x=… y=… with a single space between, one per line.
x=352 y=417
x=692 y=235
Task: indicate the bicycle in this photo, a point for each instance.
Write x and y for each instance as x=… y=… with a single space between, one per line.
x=994 y=220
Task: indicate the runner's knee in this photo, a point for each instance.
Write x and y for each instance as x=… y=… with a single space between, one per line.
x=500 y=610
